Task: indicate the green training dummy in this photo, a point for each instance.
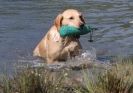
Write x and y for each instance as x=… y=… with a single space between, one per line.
x=74 y=31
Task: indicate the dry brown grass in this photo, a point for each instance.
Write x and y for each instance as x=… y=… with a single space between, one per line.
x=117 y=79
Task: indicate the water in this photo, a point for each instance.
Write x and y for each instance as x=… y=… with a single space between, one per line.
x=24 y=22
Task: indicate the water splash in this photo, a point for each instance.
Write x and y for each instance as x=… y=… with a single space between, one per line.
x=86 y=56
x=86 y=59
x=89 y=54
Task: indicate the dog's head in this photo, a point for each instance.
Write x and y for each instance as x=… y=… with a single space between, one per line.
x=69 y=17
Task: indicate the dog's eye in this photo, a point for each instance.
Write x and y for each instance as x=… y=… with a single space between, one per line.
x=71 y=18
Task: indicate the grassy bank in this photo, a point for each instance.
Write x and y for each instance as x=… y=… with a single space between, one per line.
x=35 y=81
x=116 y=79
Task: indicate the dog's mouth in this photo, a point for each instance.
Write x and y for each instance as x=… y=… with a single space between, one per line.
x=81 y=26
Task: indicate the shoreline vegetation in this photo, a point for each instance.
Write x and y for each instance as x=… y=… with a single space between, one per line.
x=118 y=78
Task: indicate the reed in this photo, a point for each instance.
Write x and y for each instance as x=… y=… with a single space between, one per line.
x=117 y=79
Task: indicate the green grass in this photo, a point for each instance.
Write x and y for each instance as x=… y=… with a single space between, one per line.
x=116 y=79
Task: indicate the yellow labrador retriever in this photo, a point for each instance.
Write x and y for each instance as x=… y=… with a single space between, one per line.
x=55 y=48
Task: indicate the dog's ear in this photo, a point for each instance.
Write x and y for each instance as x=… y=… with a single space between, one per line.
x=82 y=19
x=58 y=21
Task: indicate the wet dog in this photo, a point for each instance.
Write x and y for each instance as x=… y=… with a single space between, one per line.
x=55 y=48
